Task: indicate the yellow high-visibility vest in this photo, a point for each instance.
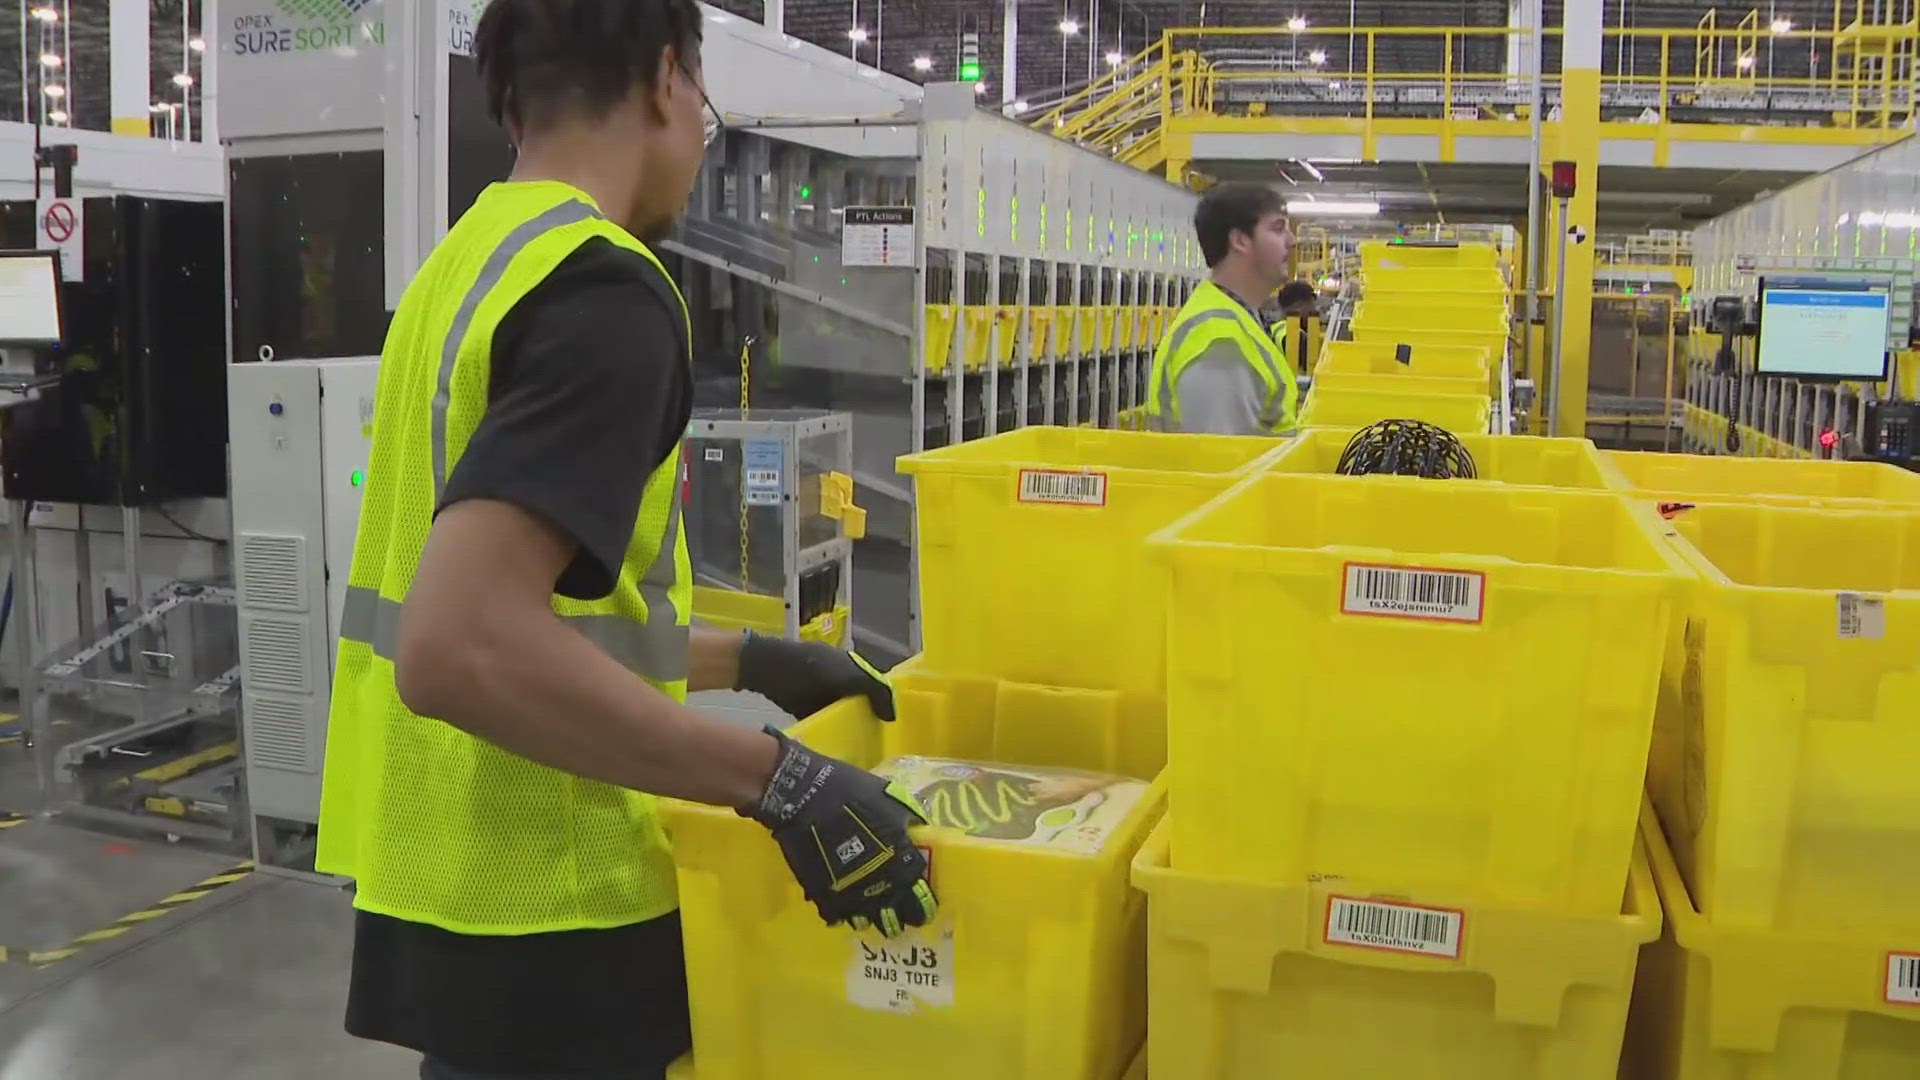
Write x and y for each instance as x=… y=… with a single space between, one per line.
x=1209 y=316
x=433 y=824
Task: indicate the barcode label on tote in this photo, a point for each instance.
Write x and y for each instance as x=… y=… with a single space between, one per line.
x=1374 y=924
x=1861 y=616
x=1414 y=593
x=1068 y=488
x=1903 y=978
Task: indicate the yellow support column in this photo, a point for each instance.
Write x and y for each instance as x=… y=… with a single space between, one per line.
x=1579 y=142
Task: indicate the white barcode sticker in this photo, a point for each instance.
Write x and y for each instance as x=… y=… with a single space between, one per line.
x=1903 y=978
x=1414 y=592
x=1407 y=928
x=1066 y=488
x=715 y=453
x=1861 y=616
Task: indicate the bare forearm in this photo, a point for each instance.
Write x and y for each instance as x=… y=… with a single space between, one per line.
x=550 y=695
x=713 y=659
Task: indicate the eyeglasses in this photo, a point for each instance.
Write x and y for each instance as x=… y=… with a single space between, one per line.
x=710 y=125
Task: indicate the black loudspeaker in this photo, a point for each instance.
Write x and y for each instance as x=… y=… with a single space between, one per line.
x=139 y=414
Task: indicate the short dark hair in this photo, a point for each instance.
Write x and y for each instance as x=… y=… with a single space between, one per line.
x=544 y=59
x=1298 y=292
x=1229 y=208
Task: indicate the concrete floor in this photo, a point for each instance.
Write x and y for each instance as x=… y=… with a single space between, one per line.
x=247 y=982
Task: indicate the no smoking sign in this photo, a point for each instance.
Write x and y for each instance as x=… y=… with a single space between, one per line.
x=63 y=229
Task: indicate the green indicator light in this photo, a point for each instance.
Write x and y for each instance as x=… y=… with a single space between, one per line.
x=806 y=192
x=969 y=71
x=816 y=258
x=357 y=478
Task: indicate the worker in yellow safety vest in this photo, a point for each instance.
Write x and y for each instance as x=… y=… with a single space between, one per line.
x=515 y=649
x=1218 y=370
x=1296 y=300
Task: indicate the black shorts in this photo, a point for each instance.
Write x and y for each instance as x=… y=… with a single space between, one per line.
x=610 y=1001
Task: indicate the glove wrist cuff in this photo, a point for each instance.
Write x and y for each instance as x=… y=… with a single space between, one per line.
x=789 y=786
x=744 y=661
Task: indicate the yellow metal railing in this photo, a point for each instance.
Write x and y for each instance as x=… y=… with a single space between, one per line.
x=1863 y=78
x=1673 y=248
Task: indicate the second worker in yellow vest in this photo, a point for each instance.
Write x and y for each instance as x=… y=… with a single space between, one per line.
x=1218 y=370
x=516 y=645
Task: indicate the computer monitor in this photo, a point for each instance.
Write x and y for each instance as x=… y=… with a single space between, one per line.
x=30 y=298
x=1823 y=328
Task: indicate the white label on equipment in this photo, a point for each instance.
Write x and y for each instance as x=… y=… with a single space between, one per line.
x=62 y=225
x=1412 y=592
x=1376 y=924
x=1861 y=616
x=763 y=461
x=714 y=453
x=877 y=236
x=1066 y=488
x=902 y=973
x=1903 y=978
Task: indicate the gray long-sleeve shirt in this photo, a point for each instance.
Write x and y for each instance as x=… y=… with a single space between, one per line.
x=1220 y=394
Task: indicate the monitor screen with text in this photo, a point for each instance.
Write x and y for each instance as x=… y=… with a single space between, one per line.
x=1815 y=329
x=29 y=298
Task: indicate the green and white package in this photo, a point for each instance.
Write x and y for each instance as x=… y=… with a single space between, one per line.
x=1059 y=809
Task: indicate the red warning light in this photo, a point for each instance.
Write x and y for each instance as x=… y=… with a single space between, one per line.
x=1564 y=174
x=1829 y=439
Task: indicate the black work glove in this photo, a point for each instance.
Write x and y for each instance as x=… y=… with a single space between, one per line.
x=803 y=677
x=843 y=831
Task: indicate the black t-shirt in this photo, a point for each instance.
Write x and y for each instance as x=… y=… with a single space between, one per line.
x=589 y=392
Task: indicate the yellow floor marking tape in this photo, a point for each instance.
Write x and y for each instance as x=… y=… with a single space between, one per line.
x=8 y=821
x=179 y=767
x=43 y=957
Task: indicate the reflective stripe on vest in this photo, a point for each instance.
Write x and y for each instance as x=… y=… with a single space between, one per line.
x=1211 y=315
x=435 y=825
x=495 y=268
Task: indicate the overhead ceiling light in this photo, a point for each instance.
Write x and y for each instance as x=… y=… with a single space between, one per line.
x=183 y=80
x=55 y=91
x=1333 y=207
x=52 y=60
x=1334 y=85
x=979 y=88
x=1745 y=61
x=1021 y=107
x=1781 y=26
x=46 y=14
x=1116 y=58
x=857 y=35
x=1312 y=170
x=923 y=63
x=162 y=106
x=58 y=116
x=1070 y=26
x=1297 y=23
x=197 y=44
x=1317 y=57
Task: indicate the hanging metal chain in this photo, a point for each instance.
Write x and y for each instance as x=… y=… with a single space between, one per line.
x=746 y=382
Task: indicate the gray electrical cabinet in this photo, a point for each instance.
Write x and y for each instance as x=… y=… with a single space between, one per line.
x=302 y=431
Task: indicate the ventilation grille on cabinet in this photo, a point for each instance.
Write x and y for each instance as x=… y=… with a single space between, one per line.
x=273 y=572
x=276 y=656
x=277 y=734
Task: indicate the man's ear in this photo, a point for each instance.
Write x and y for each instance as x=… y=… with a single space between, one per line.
x=666 y=84
x=1239 y=240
